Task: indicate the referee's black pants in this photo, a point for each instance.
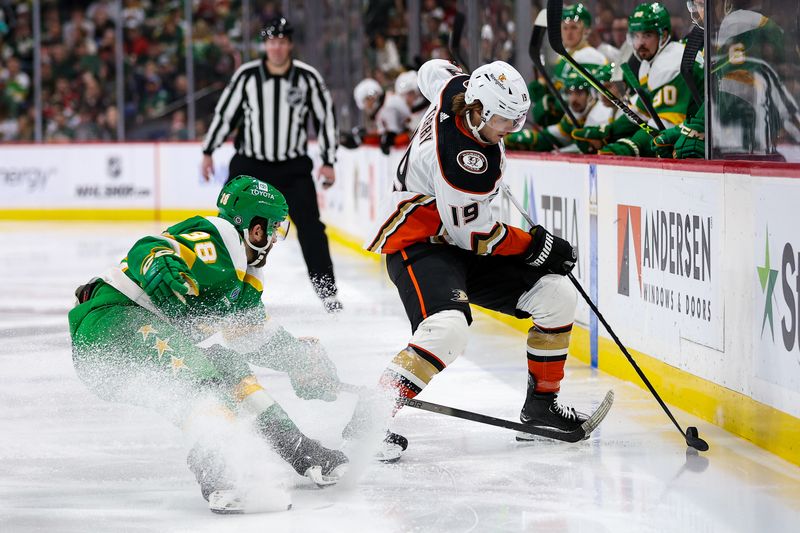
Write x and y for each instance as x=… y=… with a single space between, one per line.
x=293 y=178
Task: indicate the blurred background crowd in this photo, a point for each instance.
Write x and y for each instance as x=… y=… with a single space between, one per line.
x=119 y=69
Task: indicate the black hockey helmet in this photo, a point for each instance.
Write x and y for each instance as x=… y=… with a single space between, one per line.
x=278 y=27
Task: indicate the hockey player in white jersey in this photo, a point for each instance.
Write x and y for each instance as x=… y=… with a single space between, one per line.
x=445 y=249
x=388 y=115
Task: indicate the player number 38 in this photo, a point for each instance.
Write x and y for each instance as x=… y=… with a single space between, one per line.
x=203 y=246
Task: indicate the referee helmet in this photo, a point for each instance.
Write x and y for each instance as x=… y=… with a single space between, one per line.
x=278 y=27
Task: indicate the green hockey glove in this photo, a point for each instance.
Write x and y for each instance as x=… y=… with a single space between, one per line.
x=590 y=138
x=639 y=145
x=521 y=140
x=692 y=142
x=167 y=280
x=314 y=377
x=664 y=144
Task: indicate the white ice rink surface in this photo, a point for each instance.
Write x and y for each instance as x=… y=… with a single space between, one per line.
x=70 y=462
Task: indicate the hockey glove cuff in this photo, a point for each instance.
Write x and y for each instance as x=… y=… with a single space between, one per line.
x=167 y=280
x=551 y=253
x=664 y=144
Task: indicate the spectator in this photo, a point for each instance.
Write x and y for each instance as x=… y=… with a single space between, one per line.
x=619 y=31
x=17 y=85
x=387 y=58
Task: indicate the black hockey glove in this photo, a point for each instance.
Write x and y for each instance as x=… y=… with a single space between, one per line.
x=352 y=139
x=387 y=141
x=551 y=253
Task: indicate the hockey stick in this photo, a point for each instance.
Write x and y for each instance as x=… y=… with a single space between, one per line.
x=551 y=433
x=554 y=11
x=455 y=40
x=566 y=436
x=534 y=50
x=630 y=78
x=694 y=43
x=691 y=434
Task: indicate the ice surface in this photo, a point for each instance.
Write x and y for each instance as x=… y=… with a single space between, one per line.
x=70 y=462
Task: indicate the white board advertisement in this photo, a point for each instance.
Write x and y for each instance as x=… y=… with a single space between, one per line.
x=181 y=183
x=555 y=194
x=660 y=249
x=65 y=176
x=776 y=284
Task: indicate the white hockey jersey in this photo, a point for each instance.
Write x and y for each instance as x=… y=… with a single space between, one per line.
x=394 y=115
x=446 y=181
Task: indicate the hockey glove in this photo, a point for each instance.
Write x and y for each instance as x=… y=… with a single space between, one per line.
x=622 y=147
x=315 y=377
x=307 y=456
x=664 y=144
x=387 y=141
x=549 y=252
x=692 y=142
x=167 y=280
x=637 y=144
x=521 y=140
x=352 y=139
x=590 y=138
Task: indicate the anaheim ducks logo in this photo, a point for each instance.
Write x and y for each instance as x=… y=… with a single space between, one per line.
x=472 y=161
x=459 y=295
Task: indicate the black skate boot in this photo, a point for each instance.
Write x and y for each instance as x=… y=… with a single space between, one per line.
x=392 y=448
x=543 y=410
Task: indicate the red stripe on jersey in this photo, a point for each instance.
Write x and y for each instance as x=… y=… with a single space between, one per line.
x=423 y=222
x=416 y=285
x=547 y=374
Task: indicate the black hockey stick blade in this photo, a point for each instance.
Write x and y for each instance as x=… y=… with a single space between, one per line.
x=566 y=436
x=694 y=43
x=555 y=8
x=694 y=441
x=455 y=40
x=534 y=51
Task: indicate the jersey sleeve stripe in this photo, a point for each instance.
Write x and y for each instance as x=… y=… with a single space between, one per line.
x=396 y=219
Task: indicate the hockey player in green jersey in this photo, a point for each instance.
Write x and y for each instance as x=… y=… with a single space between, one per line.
x=576 y=22
x=649 y=30
x=585 y=105
x=686 y=140
x=135 y=335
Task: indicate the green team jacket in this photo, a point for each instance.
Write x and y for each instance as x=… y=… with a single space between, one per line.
x=212 y=249
x=672 y=100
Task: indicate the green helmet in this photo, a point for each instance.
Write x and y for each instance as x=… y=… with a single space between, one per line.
x=577 y=12
x=650 y=16
x=575 y=82
x=244 y=198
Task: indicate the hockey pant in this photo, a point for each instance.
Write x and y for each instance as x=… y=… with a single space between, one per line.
x=438 y=282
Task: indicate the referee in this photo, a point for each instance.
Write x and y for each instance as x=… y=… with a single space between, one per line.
x=269 y=100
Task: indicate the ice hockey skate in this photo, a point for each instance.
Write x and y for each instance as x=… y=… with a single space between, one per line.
x=542 y=410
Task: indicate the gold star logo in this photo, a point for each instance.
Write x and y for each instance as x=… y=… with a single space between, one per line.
x=502 y=77
x=162 y=345
x=177 y=364
x=146 y=330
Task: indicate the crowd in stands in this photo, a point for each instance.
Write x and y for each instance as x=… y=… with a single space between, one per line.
x=79 y=80
x=78 y=66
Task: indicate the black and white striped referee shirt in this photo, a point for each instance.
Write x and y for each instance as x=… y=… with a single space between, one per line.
x=271 y=111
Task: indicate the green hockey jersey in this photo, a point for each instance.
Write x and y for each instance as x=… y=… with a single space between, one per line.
x=671 y=97
x=215 y=254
